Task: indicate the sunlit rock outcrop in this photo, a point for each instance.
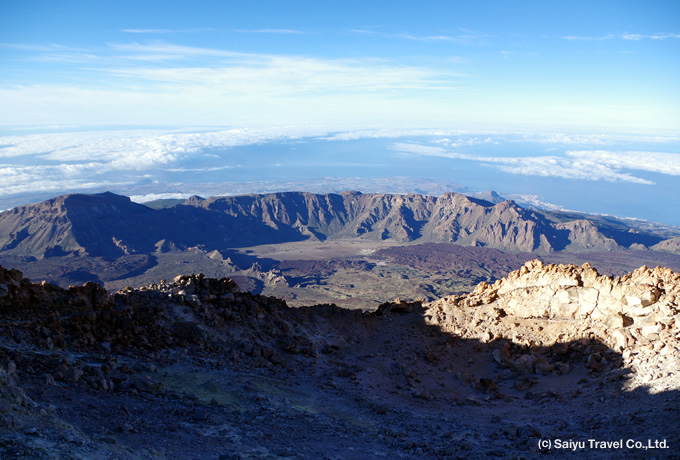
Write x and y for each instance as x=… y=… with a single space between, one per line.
x=541 y=305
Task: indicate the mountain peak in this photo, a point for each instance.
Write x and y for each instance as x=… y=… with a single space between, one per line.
x=194 y=200
x=490 y=196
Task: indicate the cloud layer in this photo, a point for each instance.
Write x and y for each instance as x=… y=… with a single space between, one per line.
x=593 y=165
x=219 y=161
x=63 y=161
x=159 y=82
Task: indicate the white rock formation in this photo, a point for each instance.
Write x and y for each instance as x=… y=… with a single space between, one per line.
x=635 y=315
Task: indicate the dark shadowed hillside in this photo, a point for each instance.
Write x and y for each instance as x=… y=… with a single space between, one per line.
x=197 y=368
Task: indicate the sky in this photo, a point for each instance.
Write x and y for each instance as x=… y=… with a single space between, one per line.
x=603 y=64
x=558 y=100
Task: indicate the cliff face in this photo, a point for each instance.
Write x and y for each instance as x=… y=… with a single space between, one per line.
x=347 y=214
x=584 y=235
x=449 y=218
x=109 y=225
x=460 y=219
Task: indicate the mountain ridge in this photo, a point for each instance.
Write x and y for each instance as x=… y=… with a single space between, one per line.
x=110 y=225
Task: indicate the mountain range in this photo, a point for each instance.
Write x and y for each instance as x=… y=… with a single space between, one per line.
x=110 y=226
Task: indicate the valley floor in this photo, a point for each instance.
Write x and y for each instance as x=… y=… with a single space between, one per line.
x=351 y=273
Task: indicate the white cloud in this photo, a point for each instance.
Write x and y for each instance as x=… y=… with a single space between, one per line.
x=61 y=161
x=426 y=150
x=624 y=36
x=583 y=165
x=164 y=48
x=159 y=196
x=364 y=32
x=570 y=139
x=16 y=180
x=465 y=37
x=390 y=133
x=56 y=162
x=206 y=169
x=658 y=162
x=591 y=139
x=164 y=83
x=140 y=149
x=109 y=149
x=588 y=38
x=271 y=31
x=467 y=141
x=457 y=137
x=166 y=31
x=46 y=47
x=637 y=37
x=169 y=84
x=236 y=72
x=53 y=52
x=284 y=75
x=562 y=167
x=428 y=38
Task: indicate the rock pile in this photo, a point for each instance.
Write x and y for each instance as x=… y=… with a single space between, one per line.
x=541 y=306
x=192 y=314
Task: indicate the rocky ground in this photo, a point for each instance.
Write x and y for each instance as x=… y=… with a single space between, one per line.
x=553 y=360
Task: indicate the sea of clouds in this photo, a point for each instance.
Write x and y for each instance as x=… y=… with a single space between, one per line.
x=175 y=163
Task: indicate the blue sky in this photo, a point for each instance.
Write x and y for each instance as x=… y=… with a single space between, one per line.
x=591 y=64
x=576 y=103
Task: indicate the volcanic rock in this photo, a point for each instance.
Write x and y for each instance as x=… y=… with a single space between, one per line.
x=548 y=352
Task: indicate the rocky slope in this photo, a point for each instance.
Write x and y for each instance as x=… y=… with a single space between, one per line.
x=111 y=226
x=194 y=367
x=75 y=224
x=543 y=305
x=669 y=245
